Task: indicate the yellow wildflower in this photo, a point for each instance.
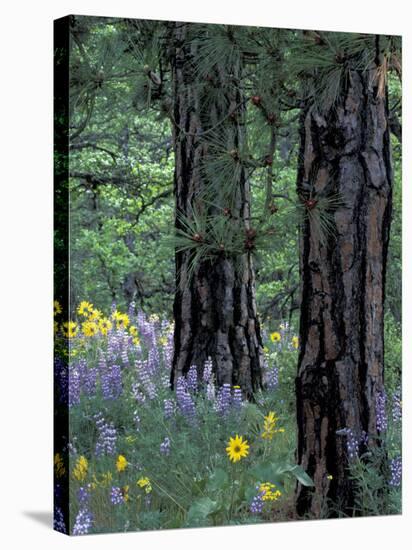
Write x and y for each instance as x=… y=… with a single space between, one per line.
x=144 y=483
x=136 y=341
x=163 y=340
x=95 y=315
x=133 y=330
x=89 y=328
x=57 y=308
x=85 y=309
x=69 y=329
x=295 y=342
x=80 y=469
x=237 y=448
x=105 y=325
x=269 y=491
x=59 y=468
x=269 y=426
x=121 y=319
x=121 y=463
x=275 y=336
x=265 y=349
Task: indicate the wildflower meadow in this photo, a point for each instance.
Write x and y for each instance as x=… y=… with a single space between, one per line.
x=142 y=456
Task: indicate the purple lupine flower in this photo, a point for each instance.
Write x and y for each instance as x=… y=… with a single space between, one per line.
x=83 y=495
x=165 y=380
x=207 y=371
x=116 y=496
x=184 y=399
x=74 y=385
x=89 y=381
x=223 y=399
x=272 y=377
x=144 y=373
x=83 y=522
x=124 y=355
x=58 y=521
x=210 y=391
x=237 y=397
x=111 y=382
x=192 y=379
x=168 y=408
x=381 y=417
x=131 y=310
x=397 y=406
x=137 y=393
x=396 y=472
x=106 y=442
x=165 y=446
x=352 y=442
x=168 y=351
x=153 y=359
x=113 y=345
x=256 y=505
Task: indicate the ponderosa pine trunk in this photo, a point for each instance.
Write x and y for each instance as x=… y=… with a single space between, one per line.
x=214 y=308
x=344 y=151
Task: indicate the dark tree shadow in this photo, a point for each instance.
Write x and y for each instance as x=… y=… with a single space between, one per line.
x=45 y=518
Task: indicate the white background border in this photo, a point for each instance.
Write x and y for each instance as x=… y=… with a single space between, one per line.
x=26 y=269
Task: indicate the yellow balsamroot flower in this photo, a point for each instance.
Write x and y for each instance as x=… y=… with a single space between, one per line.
x=121 y=319
x=59 y=468
x=269 y=491
x=121 y=463
x=89 y=328
x=295 y=342
x=237 y=448
x=80 y=469
x=133 y=330
x=85 y=309
x=136 y=341
x=57 y=308
x=105 y=325
x=269 y=426
x=275 y=336
x=69 y=329
x=144 y=483
x=95 y=315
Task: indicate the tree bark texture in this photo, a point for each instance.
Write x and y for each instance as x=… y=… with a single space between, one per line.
x=214 y=309
x=341 y=362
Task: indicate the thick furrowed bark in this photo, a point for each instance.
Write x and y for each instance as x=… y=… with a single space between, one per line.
x=340 y=370
x=214 y=309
